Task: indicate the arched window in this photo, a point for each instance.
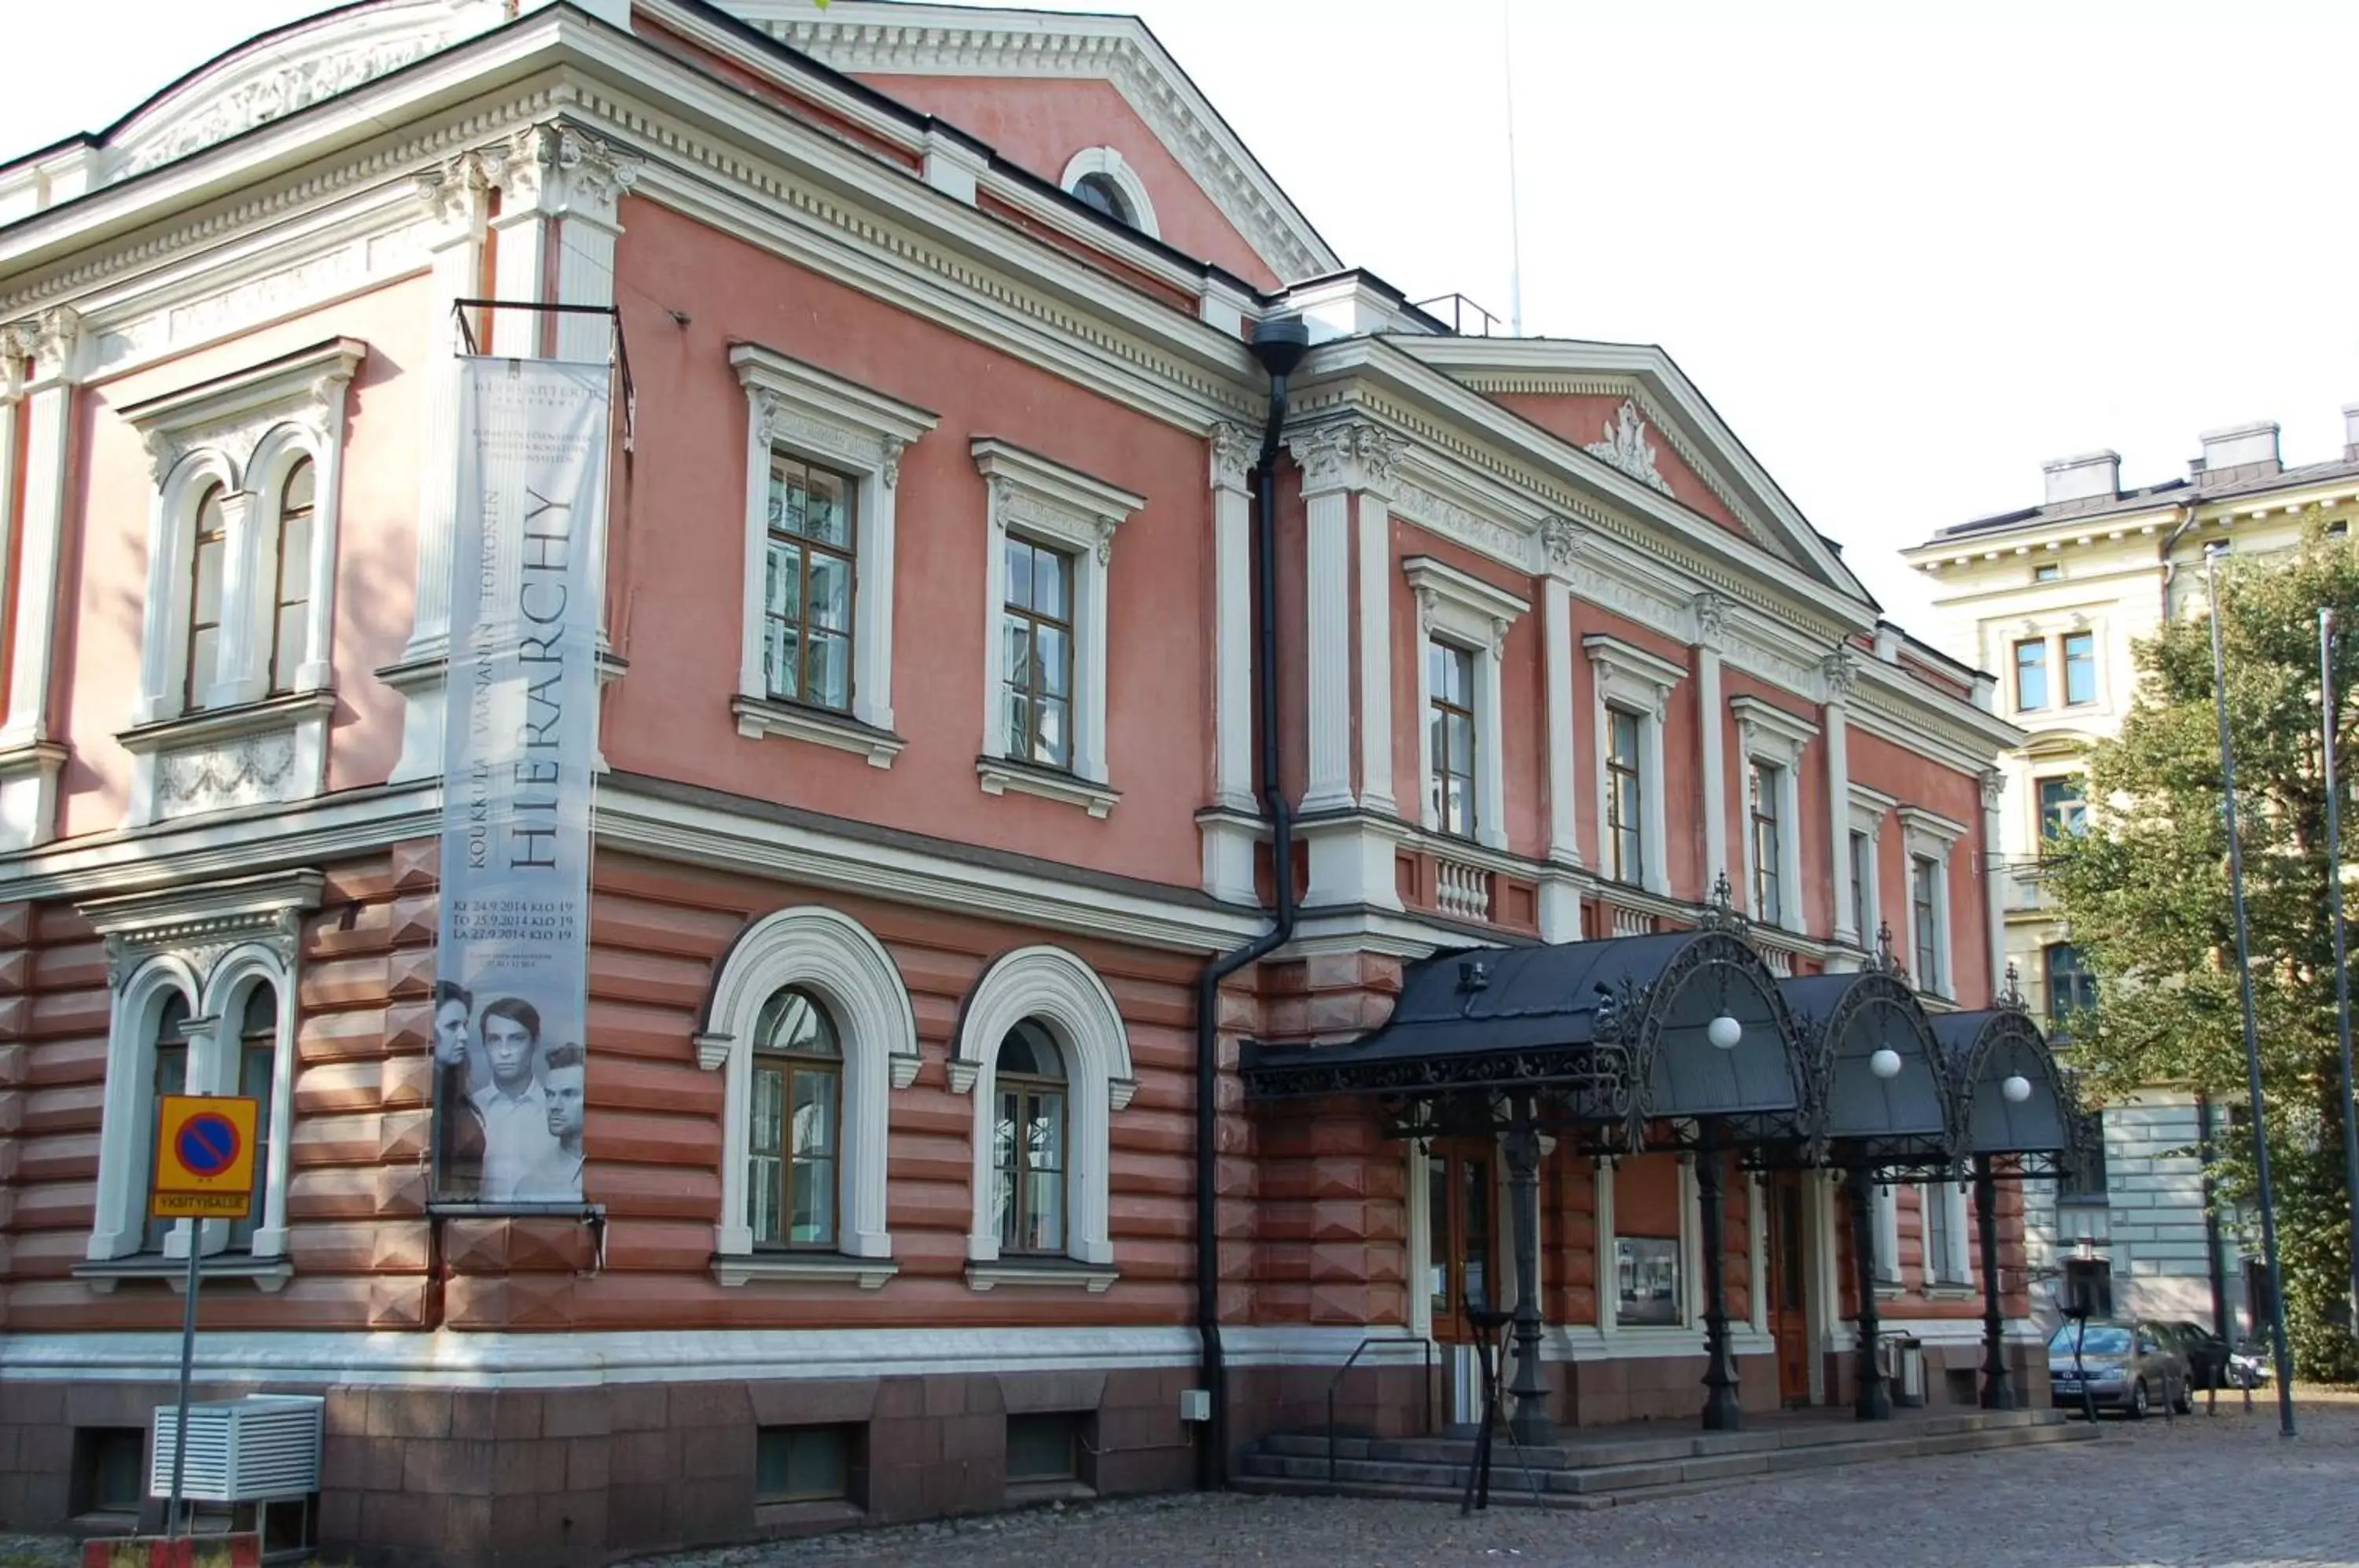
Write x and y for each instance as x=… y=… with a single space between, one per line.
x=1099 y=192
x=169 y=1074
x=208 y=563
x=257 y=1062
x=793 y=1142
x=1028 y=1142
x=293 y=597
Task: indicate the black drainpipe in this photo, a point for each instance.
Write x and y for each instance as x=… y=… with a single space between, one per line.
x=1280 y=343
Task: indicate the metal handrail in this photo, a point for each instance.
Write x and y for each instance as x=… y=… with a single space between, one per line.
x=1353 y=1360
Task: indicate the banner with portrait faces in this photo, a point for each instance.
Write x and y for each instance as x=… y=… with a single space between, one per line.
x=519 y=749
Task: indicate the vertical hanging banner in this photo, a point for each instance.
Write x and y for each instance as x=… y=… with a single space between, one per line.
x=519 y=749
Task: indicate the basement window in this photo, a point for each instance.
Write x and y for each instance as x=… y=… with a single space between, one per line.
x=109 y=1469
x=1046 y=1447
x=805 y=1463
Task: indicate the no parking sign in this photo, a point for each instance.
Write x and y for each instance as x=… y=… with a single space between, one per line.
x=204 y=1157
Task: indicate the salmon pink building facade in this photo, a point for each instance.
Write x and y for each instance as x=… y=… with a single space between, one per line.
x=935 y=705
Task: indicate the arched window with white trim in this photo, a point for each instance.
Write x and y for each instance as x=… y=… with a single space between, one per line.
x=1043 y=1049
x=291 y=629
x=812 y=1028
x=1102 y=180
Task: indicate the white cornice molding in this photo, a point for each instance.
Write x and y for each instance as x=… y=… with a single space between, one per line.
x=908 y=39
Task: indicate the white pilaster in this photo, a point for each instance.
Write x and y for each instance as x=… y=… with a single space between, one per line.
x=1233 y=768
x=1375 y=558
x=1564 y=815
x=53 y=342
x=1995 y=877
x=1336 y=461
x=1841 y=678
x=1709 y=608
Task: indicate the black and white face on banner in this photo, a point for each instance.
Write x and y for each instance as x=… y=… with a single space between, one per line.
x=520 y=742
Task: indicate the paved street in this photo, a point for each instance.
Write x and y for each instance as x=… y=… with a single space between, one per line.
x=2195 y=1494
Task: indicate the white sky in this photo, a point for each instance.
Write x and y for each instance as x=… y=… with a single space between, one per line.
x=1908 y=251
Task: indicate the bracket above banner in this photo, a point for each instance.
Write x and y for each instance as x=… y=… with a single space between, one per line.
x=618 y=351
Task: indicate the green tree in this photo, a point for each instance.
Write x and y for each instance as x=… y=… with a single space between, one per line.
x=2146 y=892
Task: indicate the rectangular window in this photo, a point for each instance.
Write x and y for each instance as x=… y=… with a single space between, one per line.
x=294 y=591
x=1924 y=879
x=1624 y=799
x=806 y=1464
x=2088 y=1289
x=792 y=1153
x=1044 y=1447
x=2070 y=987
x=1769 y=898
x=1450 y=674
x=2063 y=810
x=807 y=584
x=1935 y=1197
x=1647 y=1280
x=1030 y=1162
x=2079 y=667
x=256 y=1062
x=1863 y=885
x=110 y=1465
x=2046 y=571
x=1037 y=638
x=207 y=566
x=171 y=1069
x=2031 y=675
x=2083 y=1179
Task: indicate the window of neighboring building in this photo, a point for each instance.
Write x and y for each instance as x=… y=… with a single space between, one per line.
x=1028 y=1142
x=169 y=1074
x=2046 y=571
x=1037 y=656
x=1451 y=714
x=2079 y=667
x=2031 y=675
x=2070 y=987
x=793 y=1144
x=2088 y=1292
x=293 y=597
x=1768 y=854
x=1925 y=909
x=2063 y=810
x=806 y=1464
x=1624 y=799
x=808 y=574
x=2082 y=1177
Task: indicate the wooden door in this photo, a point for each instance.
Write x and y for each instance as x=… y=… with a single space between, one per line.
x=1790 y=1315
x=1463 y=1232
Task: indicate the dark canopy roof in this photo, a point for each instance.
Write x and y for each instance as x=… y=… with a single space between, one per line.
x=1911 y=1120
x=1984 y=1050
x=1609 y=1035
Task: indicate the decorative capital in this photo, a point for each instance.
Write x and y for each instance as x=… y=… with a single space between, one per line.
x=1232 y=455
x=1994 y=788
x=48 y=340
x=889 y=468
x=163 y=456
x=555 y=167
x=450 y=192
x=1104 y=548
x=1355 y=455
x=1712 y=617
x=1426 y=607
x=1562 y=539
x=1842 y=671
x=1498 y=638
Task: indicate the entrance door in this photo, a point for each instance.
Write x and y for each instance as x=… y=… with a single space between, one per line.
x=1789 y=1317
x=1462 y=1217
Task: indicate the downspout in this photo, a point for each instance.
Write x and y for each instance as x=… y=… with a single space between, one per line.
x=1279 y=343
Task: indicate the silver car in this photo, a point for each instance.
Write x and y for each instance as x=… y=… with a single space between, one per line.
x=2125 y=1366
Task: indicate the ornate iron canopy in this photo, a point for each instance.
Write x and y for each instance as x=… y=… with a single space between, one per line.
x=2014 y=1099
x=1623 y=1043
x=1880 y=1083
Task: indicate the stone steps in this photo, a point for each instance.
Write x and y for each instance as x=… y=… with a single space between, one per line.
x=1592 y=1474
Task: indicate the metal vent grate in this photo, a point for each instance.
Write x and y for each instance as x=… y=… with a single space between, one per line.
x=241 y=1451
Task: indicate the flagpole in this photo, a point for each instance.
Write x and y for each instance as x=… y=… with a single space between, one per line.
x=2281 y=1354
x=2330 y=713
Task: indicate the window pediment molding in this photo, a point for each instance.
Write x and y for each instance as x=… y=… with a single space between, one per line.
x=1930 y=833
x=1769 y=732
x=1030 y=492
x=1869 y=806
x=229 y=415
x=1628 y=675
x=801 y=405
x=1459 y=605
x=200 y=924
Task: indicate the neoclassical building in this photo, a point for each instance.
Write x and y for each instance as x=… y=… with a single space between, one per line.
x=1018 y=711
x=2054 y=596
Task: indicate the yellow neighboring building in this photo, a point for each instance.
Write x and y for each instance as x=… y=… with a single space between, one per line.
x=2051 y=598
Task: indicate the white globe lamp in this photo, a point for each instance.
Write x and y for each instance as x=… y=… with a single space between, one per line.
x=1724 y=1032
x=2017 y=1088
x=1884 y=1063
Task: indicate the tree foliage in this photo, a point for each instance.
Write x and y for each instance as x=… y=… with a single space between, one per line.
x=2146 y=892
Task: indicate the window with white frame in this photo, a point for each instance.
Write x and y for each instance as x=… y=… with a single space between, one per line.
x=209 y=1014
x=1771 y=741
x=1044 y=1052
x=1931 y=837
x=1884 y=1214
x=1942 y=1207
x=1463 y=626
x=1629 y=681
x=812 y=1028
x=823 y=475
x=1869 y=808
x=1625 y=797
x=1102 y=180
x=1657 y=1267
x=1047 y=560
x=235 y=659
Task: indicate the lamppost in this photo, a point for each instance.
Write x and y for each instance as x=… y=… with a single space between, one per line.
x=2330 y=716
x=2244 y=992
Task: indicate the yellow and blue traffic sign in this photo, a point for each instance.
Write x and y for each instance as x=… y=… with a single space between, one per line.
x=204 y=1157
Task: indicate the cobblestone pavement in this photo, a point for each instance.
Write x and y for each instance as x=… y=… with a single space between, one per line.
x=2222 y=1492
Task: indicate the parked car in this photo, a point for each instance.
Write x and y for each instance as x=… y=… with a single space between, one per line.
x=2116 y=1365
x=2249 y=1367
x=2206 y=1352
